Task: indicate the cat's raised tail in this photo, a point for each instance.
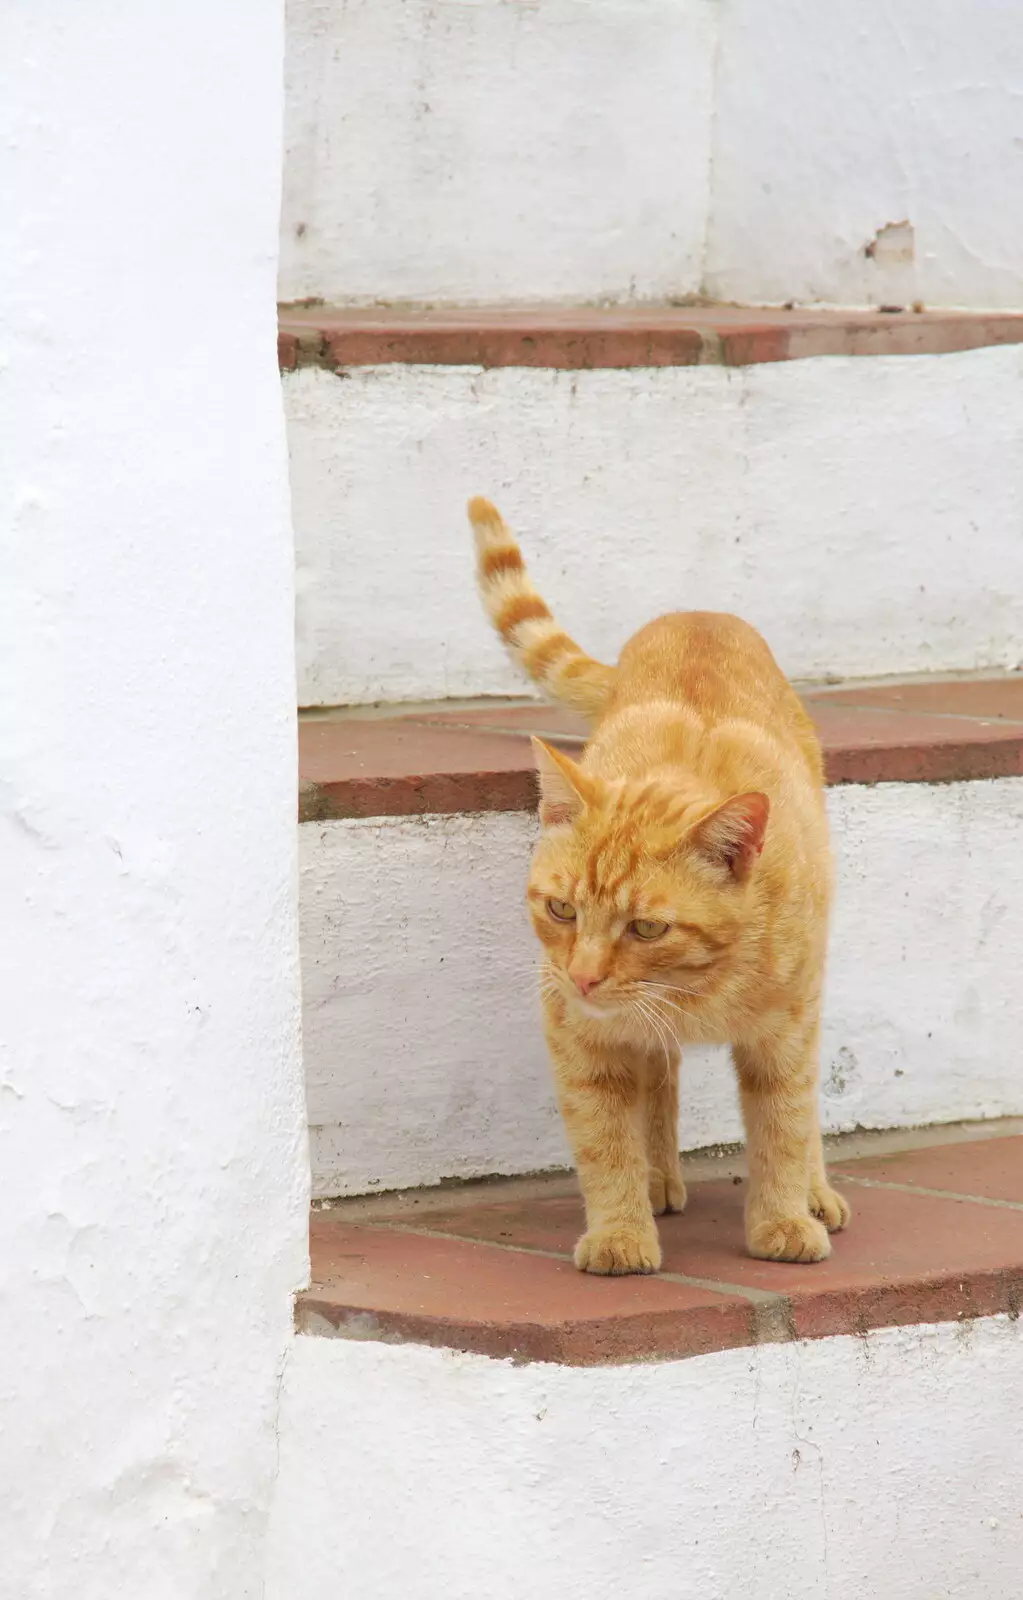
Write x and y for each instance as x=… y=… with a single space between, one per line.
x=524 y=622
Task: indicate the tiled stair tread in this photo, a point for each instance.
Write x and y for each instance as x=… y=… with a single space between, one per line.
x=477 y=758
x=577 y=338
x=936 y=1236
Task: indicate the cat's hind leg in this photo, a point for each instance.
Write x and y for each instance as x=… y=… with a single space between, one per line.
x=667 y=1190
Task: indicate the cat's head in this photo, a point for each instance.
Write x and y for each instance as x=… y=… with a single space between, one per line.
x=639 y=889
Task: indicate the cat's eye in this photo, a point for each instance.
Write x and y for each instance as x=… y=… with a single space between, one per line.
x=644 y=928
x=561 y=911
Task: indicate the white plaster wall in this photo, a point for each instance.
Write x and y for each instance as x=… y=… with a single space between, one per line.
x=153 y=1180
x=480 y=150
x=833 y=121
x=864 y=514
x=882 y=1467
x=424 y=1056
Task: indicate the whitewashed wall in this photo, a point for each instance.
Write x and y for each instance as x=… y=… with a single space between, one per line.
x=884 y=1467
x=864 y=514
x=153 y=1181
x=424 y=1056
x=834 y=122
x=475 y=150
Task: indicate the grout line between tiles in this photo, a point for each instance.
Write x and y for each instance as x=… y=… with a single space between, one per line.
x=933 y=1194
x=756 y=1297
x=1012 y=725
x=1009 y=727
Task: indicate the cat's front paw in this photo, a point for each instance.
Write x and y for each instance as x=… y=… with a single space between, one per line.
x=667 y=1191
x=613 y=1252
x=827 y=1204
x=788 y=1239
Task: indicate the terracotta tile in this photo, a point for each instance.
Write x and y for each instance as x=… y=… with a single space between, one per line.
x=542 y=1224
x=640 y=336
x=905 y=1258
x=989 y=1168
x=375 y=1282
x=354 y=767
x=477 y=758
x=865 y=744
x=539 y=718
x=985 y=698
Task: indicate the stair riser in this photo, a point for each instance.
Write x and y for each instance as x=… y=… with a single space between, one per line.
x=648 y=149
x=423 y=1051
x=747 y=1472
x=489 y=151
x=834 y=122
x=863 y=513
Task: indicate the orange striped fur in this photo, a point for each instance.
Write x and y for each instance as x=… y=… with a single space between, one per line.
x=525 y=624
x=680 y=893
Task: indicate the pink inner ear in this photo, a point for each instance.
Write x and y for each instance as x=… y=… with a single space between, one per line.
x=562 y=786
x=734 y=833
x=756 y=810
x=554 y=813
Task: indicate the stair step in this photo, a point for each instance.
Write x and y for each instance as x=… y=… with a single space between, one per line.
x=584 y=338
x=416 y=838
x=478 y=758
x=936 y=1236
x=862 y=513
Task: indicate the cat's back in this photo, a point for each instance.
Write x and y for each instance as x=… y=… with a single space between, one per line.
x=719 y=669
x=708 y=660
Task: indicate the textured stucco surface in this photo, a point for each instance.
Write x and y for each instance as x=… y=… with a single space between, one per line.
x=864 y=514
x=153 y=1178
x=885 y=1467
x=424 y=1056
x=867 y=153
x=459 y=151
x=471 y=152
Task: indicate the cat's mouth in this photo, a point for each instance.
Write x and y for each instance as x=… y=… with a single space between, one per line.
x=603 y=1005
x=591 y=1008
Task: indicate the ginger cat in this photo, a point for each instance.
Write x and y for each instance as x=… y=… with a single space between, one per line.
x=680 y=892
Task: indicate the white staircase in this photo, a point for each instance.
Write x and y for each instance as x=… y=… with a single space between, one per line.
x=865 y=513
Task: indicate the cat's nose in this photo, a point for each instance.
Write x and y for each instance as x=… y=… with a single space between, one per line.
x=585 y=981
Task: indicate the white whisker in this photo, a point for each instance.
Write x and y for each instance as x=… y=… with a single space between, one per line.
x=655 y=1000
x=664 y=1000
x=676 y=988
x=662 y=1030
x=652 y=1001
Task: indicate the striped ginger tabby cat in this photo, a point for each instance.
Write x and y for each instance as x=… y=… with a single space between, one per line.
x=680 y=892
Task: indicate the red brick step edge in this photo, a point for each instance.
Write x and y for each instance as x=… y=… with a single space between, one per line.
x=479 y=759
x=936 y=1236
x=577 y=339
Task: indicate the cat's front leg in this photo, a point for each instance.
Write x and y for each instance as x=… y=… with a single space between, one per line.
x=788 y=1192
x=602 y=1102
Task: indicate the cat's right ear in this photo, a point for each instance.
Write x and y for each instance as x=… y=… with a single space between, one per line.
x=564 y=787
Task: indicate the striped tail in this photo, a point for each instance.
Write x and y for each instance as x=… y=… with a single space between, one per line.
x=522 y=619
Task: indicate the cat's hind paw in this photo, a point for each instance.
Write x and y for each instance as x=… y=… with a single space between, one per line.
x=788 y=1239
x=832 y=1209
x=667 y=1192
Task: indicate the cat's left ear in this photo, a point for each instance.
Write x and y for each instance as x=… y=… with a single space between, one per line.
x=733 y=835
x=564 y=788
